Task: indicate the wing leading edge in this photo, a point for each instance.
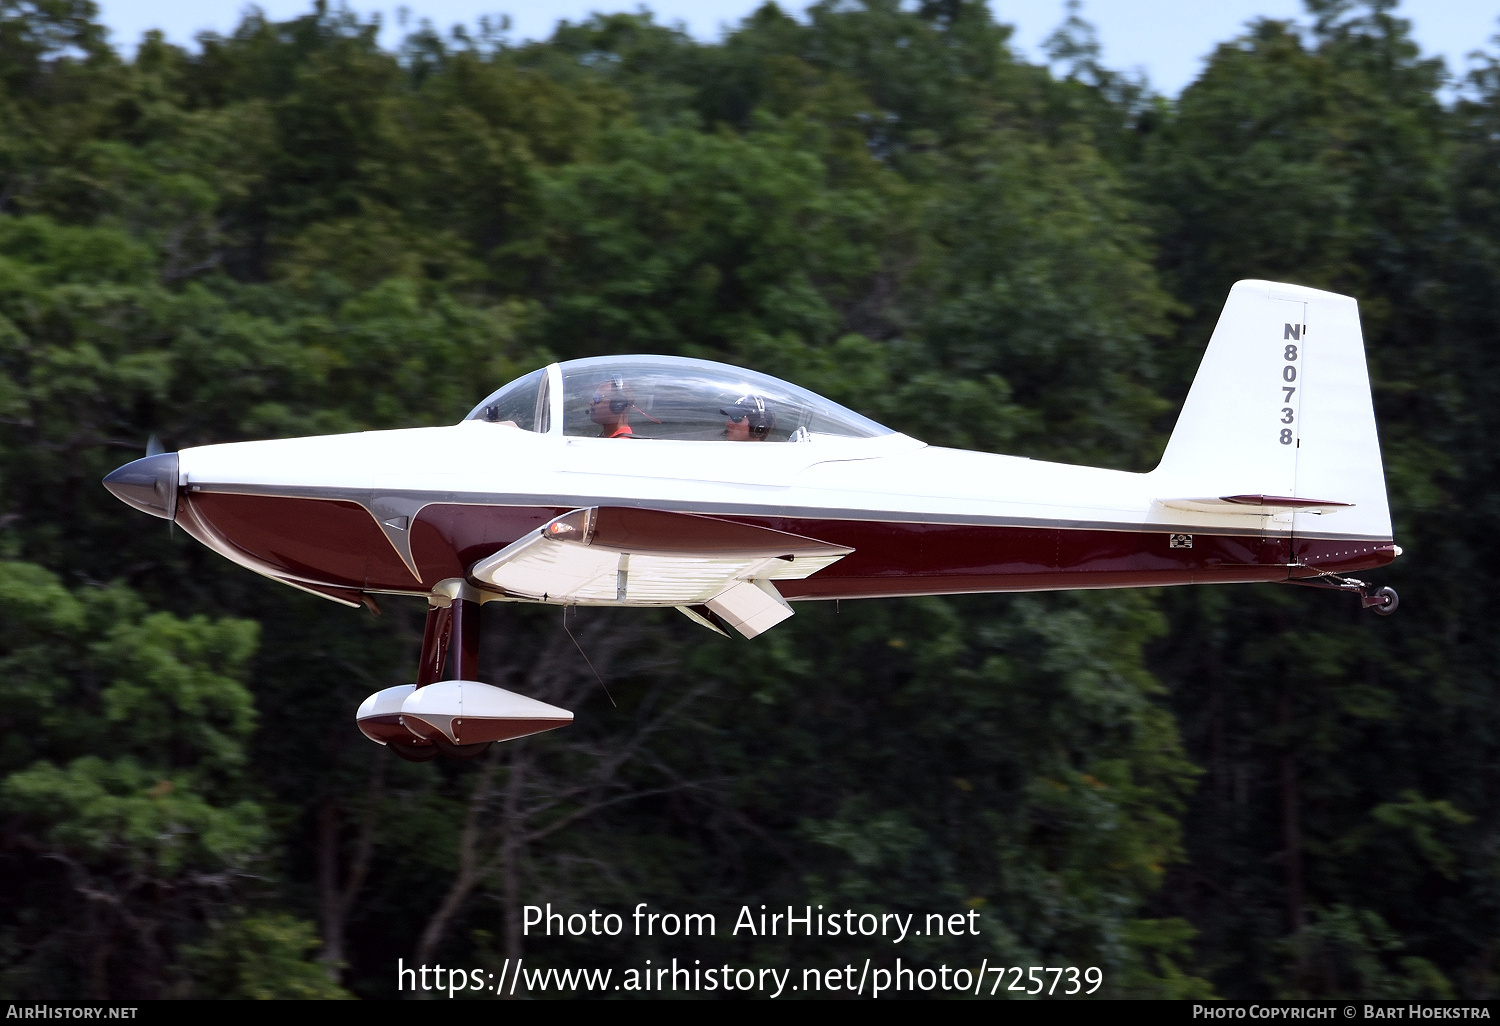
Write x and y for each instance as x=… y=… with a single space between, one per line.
x=618 y=556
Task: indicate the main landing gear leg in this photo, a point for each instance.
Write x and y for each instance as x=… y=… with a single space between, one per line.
x=451 y=636
x=458 y=717
x=436 y=634
x=464 y=665
x=435 y=637
x=1383 y=600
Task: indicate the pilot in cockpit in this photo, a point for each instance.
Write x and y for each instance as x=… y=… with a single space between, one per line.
x=610 y=409
x=750 y=419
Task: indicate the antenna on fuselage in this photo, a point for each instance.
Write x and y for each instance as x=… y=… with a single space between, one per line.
x=586 y=658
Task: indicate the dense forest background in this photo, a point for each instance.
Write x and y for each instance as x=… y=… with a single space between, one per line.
x=1240 y=791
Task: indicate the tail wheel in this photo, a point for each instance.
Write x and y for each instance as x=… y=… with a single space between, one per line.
x=1388 y=602
x=413 y=751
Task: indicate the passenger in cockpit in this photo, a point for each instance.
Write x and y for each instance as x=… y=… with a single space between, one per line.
x=610 y=409
x=750 y=419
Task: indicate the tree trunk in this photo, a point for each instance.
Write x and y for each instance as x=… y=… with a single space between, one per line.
x=437 y=927
x=469 y=874
x=332 y=954
x=1291 y=827
x=337 y=902
x=510 y=856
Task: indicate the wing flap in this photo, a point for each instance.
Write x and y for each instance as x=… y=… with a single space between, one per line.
x=751 y=608
x=635 y=557
x=1256 y=505
x=705 y=617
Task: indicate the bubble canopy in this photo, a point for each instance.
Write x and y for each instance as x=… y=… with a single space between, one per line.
x=670 y=397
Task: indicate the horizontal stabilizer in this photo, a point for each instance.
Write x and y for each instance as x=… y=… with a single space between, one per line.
x=1256 y=505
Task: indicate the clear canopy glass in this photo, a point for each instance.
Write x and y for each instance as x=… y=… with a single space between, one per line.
x=522 y=403
x=674 y=398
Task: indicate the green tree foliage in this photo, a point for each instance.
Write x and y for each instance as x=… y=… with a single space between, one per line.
x=287 y=230
x=262 y=956
x=125 y=780
x=1343 y=756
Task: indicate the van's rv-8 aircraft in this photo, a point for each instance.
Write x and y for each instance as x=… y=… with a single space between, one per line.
x=613 y=482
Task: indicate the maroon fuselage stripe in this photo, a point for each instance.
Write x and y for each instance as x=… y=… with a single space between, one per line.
x=337 y=546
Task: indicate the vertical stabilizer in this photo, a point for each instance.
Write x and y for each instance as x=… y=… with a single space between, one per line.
x=1281 y=407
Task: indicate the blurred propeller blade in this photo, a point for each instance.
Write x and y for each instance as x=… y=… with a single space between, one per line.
x=154 y=447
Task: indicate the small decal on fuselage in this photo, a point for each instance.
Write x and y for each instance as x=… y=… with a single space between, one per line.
x=1181 y=541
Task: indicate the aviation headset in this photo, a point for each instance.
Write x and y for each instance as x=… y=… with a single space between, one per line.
x=753 y=408
x=619 y=402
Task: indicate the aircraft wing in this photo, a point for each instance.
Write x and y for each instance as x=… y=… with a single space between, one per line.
x=619 y=556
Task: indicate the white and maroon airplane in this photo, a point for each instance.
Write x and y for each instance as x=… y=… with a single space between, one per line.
x=660 y=481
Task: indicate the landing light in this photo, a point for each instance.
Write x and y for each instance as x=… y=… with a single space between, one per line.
x=577 y=526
